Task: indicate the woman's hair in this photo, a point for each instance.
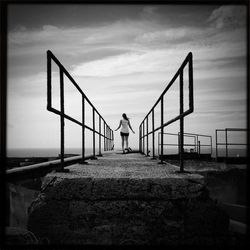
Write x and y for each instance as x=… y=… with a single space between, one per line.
x=125 y=116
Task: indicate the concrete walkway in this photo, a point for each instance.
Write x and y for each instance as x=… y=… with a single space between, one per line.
x=118 y=165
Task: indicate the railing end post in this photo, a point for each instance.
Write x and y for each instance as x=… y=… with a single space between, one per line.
x=49 y=52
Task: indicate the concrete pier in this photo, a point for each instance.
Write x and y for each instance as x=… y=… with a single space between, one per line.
x=126 y=199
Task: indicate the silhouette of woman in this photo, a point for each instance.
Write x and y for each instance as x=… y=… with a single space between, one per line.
x=125 y=124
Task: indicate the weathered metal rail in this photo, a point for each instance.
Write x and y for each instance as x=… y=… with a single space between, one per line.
x=227 y=144
x=107 y=134
x=197 y=145
x=145 y=135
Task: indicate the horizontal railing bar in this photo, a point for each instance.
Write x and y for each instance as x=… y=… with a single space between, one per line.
x=168 y=134
x=237 y=129
x=53 y=57
x=175 y=119
x=232 y=144
x=31 y=171
x=174 y=144
x=74 y=120
x=171 y=121
x=197 y=134
x=170 y=83
x=232 y=129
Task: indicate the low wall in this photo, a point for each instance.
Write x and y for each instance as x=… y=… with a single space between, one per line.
x=172 y=210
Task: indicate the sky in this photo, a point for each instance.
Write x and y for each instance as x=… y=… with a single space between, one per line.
x=123 y=57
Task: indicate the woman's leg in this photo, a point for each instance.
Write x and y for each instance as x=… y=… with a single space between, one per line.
x=126 y=141
x=122 y=142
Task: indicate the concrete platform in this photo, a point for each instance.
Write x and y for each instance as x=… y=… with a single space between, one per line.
x=130 y=176
x=125 y=199
x=118 y=165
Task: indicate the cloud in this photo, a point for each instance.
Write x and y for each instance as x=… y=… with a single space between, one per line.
x=169 y=35
x=149 y=12
x=128 y=63
x=231 y=16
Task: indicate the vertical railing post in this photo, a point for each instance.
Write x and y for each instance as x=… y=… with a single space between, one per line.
x=107 y=137
x=94 y=156
x=62 y=119
x=140 y=138
x=162 y=129
x=216 y=144
x=226 y=144
x=112 y=134
x=83 y=132
x=147 y=137
x=110 y=139
x=143 y=138
x=181 y=122
x=153 y=133
x=100 y=137
x=211 y=148
x=191 y=85
x=104 y=139
x=196 y=144
x=179 y=148
x=199 y=145
x=48 y=80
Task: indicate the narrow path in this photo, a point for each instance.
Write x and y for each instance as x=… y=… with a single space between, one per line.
x=118 y=165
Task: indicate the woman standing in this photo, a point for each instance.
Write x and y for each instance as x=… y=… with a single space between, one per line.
x=125 y=124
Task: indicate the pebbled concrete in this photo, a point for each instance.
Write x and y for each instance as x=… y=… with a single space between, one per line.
x=119 y=176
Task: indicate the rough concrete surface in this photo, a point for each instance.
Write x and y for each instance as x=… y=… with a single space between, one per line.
x=126 y=199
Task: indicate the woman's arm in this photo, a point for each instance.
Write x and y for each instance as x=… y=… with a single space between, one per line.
x=119 y=125
x=130 y=127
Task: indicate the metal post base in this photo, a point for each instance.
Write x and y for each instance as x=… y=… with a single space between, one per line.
x=94 y=158
x=100 y=155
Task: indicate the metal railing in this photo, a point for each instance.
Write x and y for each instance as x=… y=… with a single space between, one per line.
x=145 y=136
x=107 y=134
x=226 y=143
x=197 y=145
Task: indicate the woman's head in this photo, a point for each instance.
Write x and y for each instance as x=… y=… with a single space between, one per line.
x=125 y=116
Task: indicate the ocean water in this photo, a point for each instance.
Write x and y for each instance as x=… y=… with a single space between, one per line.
x=54 y=152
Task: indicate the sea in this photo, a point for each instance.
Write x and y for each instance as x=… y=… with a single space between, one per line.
x=54 y=152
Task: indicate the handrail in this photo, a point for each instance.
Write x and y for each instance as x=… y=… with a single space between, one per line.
x=197 y=145
x=107 y=133
x=226 y=139
x=142 y=135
